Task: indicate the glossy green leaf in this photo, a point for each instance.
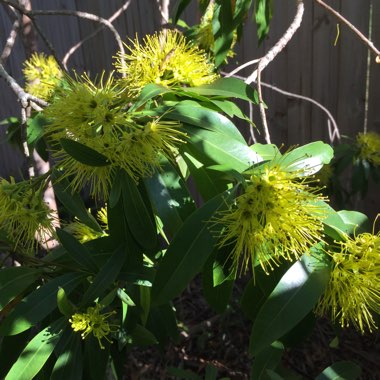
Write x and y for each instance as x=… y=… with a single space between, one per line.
x=106 y=276
x=227 y=87
x=310 y=158
x=179 y=7
x=169 y=197
x=267 y=359
x=343 y=370
x=83 y=153
x=266 y=151
x=14 y=281
x=116 y=189
x=150 y=91
x=77 y=251
x=218 y=296
x=125 y=298
x=208 y=183
x=263 y=17
x=73 y=203
x=37 y=352
x=64 y=304
x=137 y=215
x=355 y=221
x=187 y=253
x=38 y=304
x=223 y=31
x=291 y=300
x=190 y=112
x=96 y=360
x=69 y=363
x=215 y=148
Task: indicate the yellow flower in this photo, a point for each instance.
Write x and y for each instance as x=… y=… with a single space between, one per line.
x=353 y=292
x=369 y=146
x=24 y=216
x=84 y=233
x=93 y=322
x=95 y=116
x=42 y=74
x=276 y=218
x=166 y=59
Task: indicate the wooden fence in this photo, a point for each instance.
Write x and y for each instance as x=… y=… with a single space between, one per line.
x=339 y=77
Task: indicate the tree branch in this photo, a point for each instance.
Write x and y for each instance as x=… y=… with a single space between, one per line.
x=72 y=50
x=369 y=43
x=11 y=38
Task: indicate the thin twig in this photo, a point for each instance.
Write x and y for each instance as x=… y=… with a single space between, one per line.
x=367 y=41
x=279 y=46
x=25 y=98
x=11 y=39
x=243 y=66
x=262 y=108
x=93 y=34
x=268 y=58
x=88 y=16
x=163 y=6
x=335 y=134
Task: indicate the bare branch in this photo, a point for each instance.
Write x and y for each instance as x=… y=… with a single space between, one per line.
x=25 y=98
x=163 y=6
x=262 y=108
x=89 y=16
x=80 y=43
x=243 y=66
x=279 y=46
x=333 y=134
x=369 y=43
x=11 y=39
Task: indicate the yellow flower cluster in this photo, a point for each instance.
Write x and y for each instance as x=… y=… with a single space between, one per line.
x=277 y=217
x=166 y=59
x=96 y=117
x=93 y=322
x=369 y=147
x=84 y=233
x=353 y=292
x=24 y=216
x=42 y=75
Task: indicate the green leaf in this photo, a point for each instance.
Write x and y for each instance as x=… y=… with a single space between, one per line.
x=343 y=370
x=35 y=129
x=179 y=7
x=140 y=336
x=137 y=215
x=106 y=276
x=169 y=197
x=219 y=295
x=187 y=253
x=83 y=153
x=73 y=203
x=150 y=91
x=69 y=363
x=267 y=359
x=78 y=252
x=37 y=352
x=310 y=158
x=266 y=151
x=223 y=30
x=208 y=182
x=38 y=304
x=95 y=360
x=190 y=112
x=64 y=304
x=355 y=221
x=11 y=348
x=291 y=300
x=226 y=87
x=14 y=281
x=215 y=148
x=263 y=17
